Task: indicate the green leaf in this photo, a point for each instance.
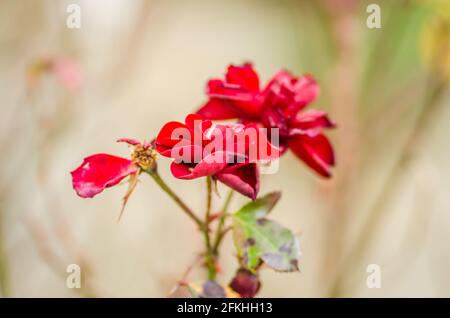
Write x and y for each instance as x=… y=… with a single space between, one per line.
x=258 y=239
x=262 y=206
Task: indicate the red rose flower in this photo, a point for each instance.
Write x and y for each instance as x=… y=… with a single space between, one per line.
x=277 y=105
x=228 y=153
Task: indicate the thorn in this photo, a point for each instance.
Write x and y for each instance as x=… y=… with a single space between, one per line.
x=215 y=188
x=133 y=181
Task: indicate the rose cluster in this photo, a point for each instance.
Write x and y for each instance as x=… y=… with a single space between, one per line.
x=267 y=121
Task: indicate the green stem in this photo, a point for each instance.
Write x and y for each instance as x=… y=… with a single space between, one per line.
x=202 y=225
x=209 y=255
x=208 y=199
x=159 y=181
x=220 y=232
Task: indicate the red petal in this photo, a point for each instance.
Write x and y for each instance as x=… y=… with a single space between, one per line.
x=98 y=172
x=243 y=177
x=218 y=109
x=208 y=166
x=274 y=118
x=316 y=152
x=197 y=124
x=181 y=171
x=211 y=164
x=241 y=100
x=306 y=90
x=259 y=147
x=310 y=120
x=185 y=153
x=228 y=91
x=244 y=76
x=290 y=93
x=235 y=97
x=273 y=90
x=175 y=136
x=171 y=134
x=244 y=141
x=279 y=78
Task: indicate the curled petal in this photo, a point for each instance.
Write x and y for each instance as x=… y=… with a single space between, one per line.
x=316 y=152
x=148 y=144
x=100 y=171
x=310 y=120
x=130 y=141
x=243 y=177
x=229 y=91
x=208 y=166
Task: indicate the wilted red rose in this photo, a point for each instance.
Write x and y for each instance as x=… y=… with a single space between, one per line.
x=277 y=105
x=228 y=153
x=101 y=171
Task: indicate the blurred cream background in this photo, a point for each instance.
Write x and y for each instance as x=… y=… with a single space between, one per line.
x=144 y=63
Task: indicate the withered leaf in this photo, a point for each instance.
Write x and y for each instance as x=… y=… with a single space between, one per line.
x=259 y=239
x=212 y=289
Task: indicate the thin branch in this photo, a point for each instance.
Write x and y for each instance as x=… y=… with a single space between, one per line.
x=184 y=279
x=209 y=251
x=219 y=232
x=163 y=185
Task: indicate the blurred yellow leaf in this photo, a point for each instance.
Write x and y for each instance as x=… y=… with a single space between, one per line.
x=435 y=39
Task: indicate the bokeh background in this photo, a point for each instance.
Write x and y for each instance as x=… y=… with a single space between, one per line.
x=133 y=65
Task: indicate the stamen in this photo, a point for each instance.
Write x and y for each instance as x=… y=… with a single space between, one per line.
x=144 y=157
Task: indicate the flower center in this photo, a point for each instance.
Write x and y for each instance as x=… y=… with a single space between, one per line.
x=144 y=157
